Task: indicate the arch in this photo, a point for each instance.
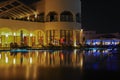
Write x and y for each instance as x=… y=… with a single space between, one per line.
x=40 y=37
x=25 y=32
x=52 y=17
x=36 y=31
x=5 y=37
x=78 y=18
x=41 y=17
x=4 y=31
x=21 y=37
x=66 y=16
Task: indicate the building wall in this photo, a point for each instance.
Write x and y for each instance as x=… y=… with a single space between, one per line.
x=58 y=6
x=47 y=32
x=15 y=25
x=62 y=25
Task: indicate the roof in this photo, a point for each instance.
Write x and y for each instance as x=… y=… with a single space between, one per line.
x=29 y=1
x=14 y=9
x=108 y=36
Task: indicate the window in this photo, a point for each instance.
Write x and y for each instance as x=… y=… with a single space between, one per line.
x=52 y=17
x=66 y=16
x=41 y=17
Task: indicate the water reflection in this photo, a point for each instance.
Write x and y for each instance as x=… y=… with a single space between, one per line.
x=28 y=65
x=105 y=59
x=53 y=58
x=43 y=58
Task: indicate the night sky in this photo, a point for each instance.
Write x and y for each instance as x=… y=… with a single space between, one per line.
x=100 y=15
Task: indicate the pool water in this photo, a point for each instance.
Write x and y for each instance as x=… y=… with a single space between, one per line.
x=60 y=64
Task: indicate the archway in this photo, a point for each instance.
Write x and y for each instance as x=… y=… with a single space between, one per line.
x=21 y=36
x=52 y=17
x=38 y=38
x=66 y=16
x=5 y=37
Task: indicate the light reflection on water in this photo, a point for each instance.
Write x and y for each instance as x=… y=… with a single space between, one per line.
x=28 y=65
x=42 y=58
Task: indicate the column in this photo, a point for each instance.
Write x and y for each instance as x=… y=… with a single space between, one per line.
x=0 y=40
x=44 y=40
x=81 y=36
x=58 y=37
x=6 y=40
x=14 y=35
x=74 y=38
x=36 y=39
x=30 y=39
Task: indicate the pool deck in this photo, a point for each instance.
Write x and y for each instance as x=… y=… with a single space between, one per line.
x=57 y=48
x=41 y=48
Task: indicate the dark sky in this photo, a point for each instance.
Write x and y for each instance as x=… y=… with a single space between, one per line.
x=101 y=15
x=25 y=1
x=29 y=1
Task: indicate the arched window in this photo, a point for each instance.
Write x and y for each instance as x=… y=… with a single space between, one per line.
x=52 y=17
x=40 y=17
x=78 y=18
x=66 y=16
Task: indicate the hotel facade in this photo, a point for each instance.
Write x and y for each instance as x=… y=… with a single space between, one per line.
x=45 y=22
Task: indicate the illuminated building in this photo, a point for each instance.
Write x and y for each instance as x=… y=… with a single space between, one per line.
x=93 y=38
x=56 y=22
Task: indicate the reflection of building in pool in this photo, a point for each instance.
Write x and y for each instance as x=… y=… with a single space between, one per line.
x=42 y=23
x=43 y=58
x=101 y=39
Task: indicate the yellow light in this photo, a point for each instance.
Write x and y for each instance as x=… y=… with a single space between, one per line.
x=30 y=60
x=21 y=16
x=37 y=53
x=75 y=44
x=35 y=15
x=0 y=56
x=24 y=34
x=75 y=51
x=45 y=53
x=81 y=62
x=81 y=30
x=6 y=35
x=14 y=34
x=14 y=61
x=6 y=59
x=28 y=18
x=31 y=34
